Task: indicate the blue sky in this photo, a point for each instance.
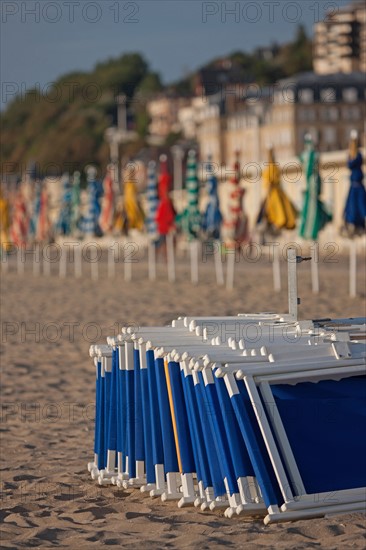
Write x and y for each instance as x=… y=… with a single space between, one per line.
x=41 y=40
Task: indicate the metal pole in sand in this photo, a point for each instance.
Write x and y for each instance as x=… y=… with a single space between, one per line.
x=111 y=262
x=194 y=246
x=37 y=260
x=151 y=251
x=218 y=264
x=170 y=257
x=276 y=269
x=230 y=269
x=315 y=267
x=63 y=263
x=46 y=263
x=352 y=269
x=293 y=300
x=78 y=261
x=20 y=261
x=127 y=264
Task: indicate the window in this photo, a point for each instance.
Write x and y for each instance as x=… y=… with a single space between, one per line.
x=329 y=135
x=350 y=95
x=328 y=95
x=306 y=114
x=329 y=113
x=306 y=95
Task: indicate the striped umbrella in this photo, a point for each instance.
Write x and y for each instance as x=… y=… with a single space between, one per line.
x=64 y=221
x=235 y=226
x=212 y=218
x=152 y=202
x=4 y=223
x=314 y=215
x=20 y=221
x=75 y=203
x=90 y=222
x=165 y=215
x=43 y=227
x=190 y=219
x=107 y=216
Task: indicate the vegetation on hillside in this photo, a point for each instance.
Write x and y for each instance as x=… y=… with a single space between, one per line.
x=65 y=124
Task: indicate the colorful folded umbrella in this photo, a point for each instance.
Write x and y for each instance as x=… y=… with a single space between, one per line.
x=134 y=213
x=90 y=222
x=235 y=226
x=4 y=223
x=152 y=202
x=212 y=218
x=75 y=203
x=20 y=221
x=107 y=215
x=314 y=215
x=64 y=220
x=277 y=211
x=355 y=209
x=165 y=214
x=189 y=220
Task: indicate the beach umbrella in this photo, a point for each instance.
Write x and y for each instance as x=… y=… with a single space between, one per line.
x=212 y=218
x=20 y=221
x=75 y=203
x=40 y=224
x=4 y=223
x=165 y=213
x=132 y=207
x=277 y=211
x=189 y=220
x=355 y=208
x=235 y=225
x=107 y=215
x=90 y=222
x=314 y=215
x=152 y=202
x=65 y=216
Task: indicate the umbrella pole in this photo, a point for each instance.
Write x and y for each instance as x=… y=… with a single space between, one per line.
x=230 y=269
x=20 y=262
x=36 y=260
x=46 y=264
x=78 y=261
x=293 y=300
x=276 y=269
x=315 y=267
x=194 y=261
x=170 y=257
x=218 y=264
x=62 y=263
x=127 y=267
x=111 y=263
x=152 y=260
x=352 y=269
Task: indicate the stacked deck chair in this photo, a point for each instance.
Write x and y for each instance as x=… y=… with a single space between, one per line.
x=255 y=414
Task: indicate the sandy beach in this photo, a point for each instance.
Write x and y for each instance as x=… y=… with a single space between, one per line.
x=47 y=497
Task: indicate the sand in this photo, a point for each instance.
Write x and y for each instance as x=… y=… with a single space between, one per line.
x=47 y=496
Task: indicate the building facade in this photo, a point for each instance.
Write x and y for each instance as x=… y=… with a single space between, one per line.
x=340 y=41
